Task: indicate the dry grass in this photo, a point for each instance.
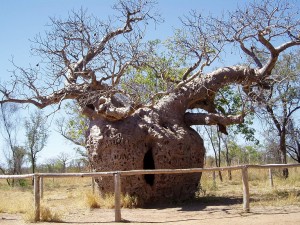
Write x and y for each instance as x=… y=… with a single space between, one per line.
x=92 y=200
x=15 y=200
x=71 y=195
x=129 y=201
x=284 y=192
x=108 y=201
x=60 y=196
x=46 y=215
x=20 y=200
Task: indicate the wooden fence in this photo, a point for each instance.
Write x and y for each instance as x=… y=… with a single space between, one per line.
x=38 y=181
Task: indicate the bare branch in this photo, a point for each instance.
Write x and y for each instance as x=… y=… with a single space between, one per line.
x=86 y=59
x=79 y=51
x=192 y=68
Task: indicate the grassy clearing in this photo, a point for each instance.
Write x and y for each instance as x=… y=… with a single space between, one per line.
x=15 y=200
x=73 y=195
x=60 y=196
x=284 y=191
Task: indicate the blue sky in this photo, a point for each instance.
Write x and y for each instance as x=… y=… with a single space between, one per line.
x=22 y=20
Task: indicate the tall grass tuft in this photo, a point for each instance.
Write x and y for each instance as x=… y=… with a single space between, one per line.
x=48 y=216
x=108 y=201
x=45 y=215
x=94 y=201
x=129 y=201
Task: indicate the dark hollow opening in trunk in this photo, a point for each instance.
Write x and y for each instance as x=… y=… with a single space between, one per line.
x=149 y=165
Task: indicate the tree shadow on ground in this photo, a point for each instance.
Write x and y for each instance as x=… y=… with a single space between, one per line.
x=204 y=202
x=198 y=204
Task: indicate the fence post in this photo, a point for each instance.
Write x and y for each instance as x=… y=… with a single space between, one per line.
x=93 y=185
x=37 y=201
x=271 y=178
x=41 y=187
x=246 y=196
x=117 y=183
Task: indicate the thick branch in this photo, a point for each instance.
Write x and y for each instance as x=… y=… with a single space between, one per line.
x=212 y=119
x=69 y=92
x=266 y=70
x=110 y=112
x=287 y=45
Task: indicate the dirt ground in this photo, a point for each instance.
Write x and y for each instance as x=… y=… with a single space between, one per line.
x=194 y=213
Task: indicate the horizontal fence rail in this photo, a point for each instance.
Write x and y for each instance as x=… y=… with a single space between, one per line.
x=38 y=181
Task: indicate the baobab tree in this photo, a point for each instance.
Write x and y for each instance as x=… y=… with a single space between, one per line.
x=91 y=61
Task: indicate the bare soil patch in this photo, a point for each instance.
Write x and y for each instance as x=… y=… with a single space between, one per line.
x=192 y=213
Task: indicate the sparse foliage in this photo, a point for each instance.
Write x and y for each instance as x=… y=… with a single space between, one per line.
x=74 y=126
x=282 y=102
x=36 y=133
x=14 y=153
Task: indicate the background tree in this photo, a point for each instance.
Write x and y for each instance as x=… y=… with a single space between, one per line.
x=230 y=100
x=14 y=154
x=282 y=102
x=36 y=134
x=215 y=142
x=79 y=165
x=73 y=128
x=86 y=60
x=74 y=125
x=228 y=152
x=20 y=158
x=62 y=160
x=51 y=165
x=2 y=169
x=293 y=141
x=232 y=153
x=271 y=147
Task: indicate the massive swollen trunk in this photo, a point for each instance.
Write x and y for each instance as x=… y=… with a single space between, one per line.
x=149 y=139
x=161 y=137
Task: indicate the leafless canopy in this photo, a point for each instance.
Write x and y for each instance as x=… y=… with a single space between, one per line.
x=82 y=57
x=85 y=59
x=261 y=31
